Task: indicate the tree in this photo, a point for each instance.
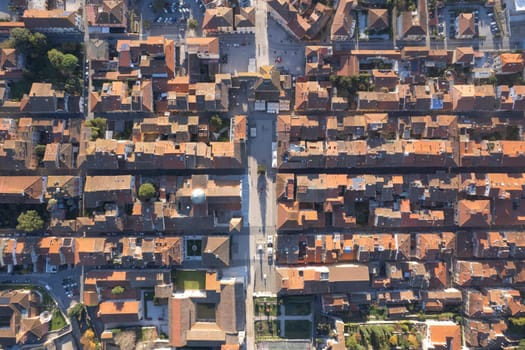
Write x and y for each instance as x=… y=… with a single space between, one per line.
x=126 y=339
x=30 y=221
x=117 y=290
x=146 y=191
x=73 y=85
x=413 y=341
x=215 y=123
x=38 y=43
x=65 y=64
x=55 y=57
x=98 y=127
x=21 y=38
x=40 y=151
x=193 y=24
x=32 y=44
x=69 y=63
x=88 y=340
x=351 y=343
x=77 y=310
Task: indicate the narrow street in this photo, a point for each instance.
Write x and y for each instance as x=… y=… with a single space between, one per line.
x=261 y=215
x=261 y=34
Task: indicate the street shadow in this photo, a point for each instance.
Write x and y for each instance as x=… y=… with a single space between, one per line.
x=261 y=192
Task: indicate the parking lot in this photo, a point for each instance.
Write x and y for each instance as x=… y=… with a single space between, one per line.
x=173 y=18
x=486 y=26
x=70 y=287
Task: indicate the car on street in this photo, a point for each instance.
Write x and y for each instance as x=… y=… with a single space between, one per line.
x=270 y=241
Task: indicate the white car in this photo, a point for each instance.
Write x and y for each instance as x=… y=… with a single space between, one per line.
x=270 y=241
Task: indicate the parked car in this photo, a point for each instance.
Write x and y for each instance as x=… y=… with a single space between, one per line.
x=270 y=241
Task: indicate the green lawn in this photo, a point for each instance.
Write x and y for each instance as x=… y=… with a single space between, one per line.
x=297 y=306
x=266 y=306
x=300 y=329
x=57 y=321
x=267 y=329
x=205 y=312
x=190 y=280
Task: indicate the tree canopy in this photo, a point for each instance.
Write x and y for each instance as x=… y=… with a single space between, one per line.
x=193 y=24
x=215 y=123
x=117 y=290
x=146 y=191
x=65 y=63
x=98 y=127
x=30 y=221
x=40 y=151
x=28 y=43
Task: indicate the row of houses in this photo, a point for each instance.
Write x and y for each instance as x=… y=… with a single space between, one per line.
x=103 y=17
x=332 y=248
x=340 y=201
x=375 y=140
x=417 y=84
x=223 y=20
x=51 y=254
x=207 y=203
x=166 y=142
x=399 y=153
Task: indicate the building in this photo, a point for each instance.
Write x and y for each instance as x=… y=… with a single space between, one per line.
x=377 y=20
x=412 y=25
x=22 y=189
x=99 y=190
x=109 y=16
x=218 y=20
x=212 y=317
x=509 y=63
x=322 y=279
x=53 y=22
x=42 y=98
x=343 y=24
x=465 y=26
x=20 y=321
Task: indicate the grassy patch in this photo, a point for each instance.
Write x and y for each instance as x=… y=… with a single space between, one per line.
x=300 y=329
x=148 y=334
x=190 y=280
x=266 y=307
x=267 y=329
x=193 y=247
x=206 y=312
x=57 y=321
x=297 y=306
